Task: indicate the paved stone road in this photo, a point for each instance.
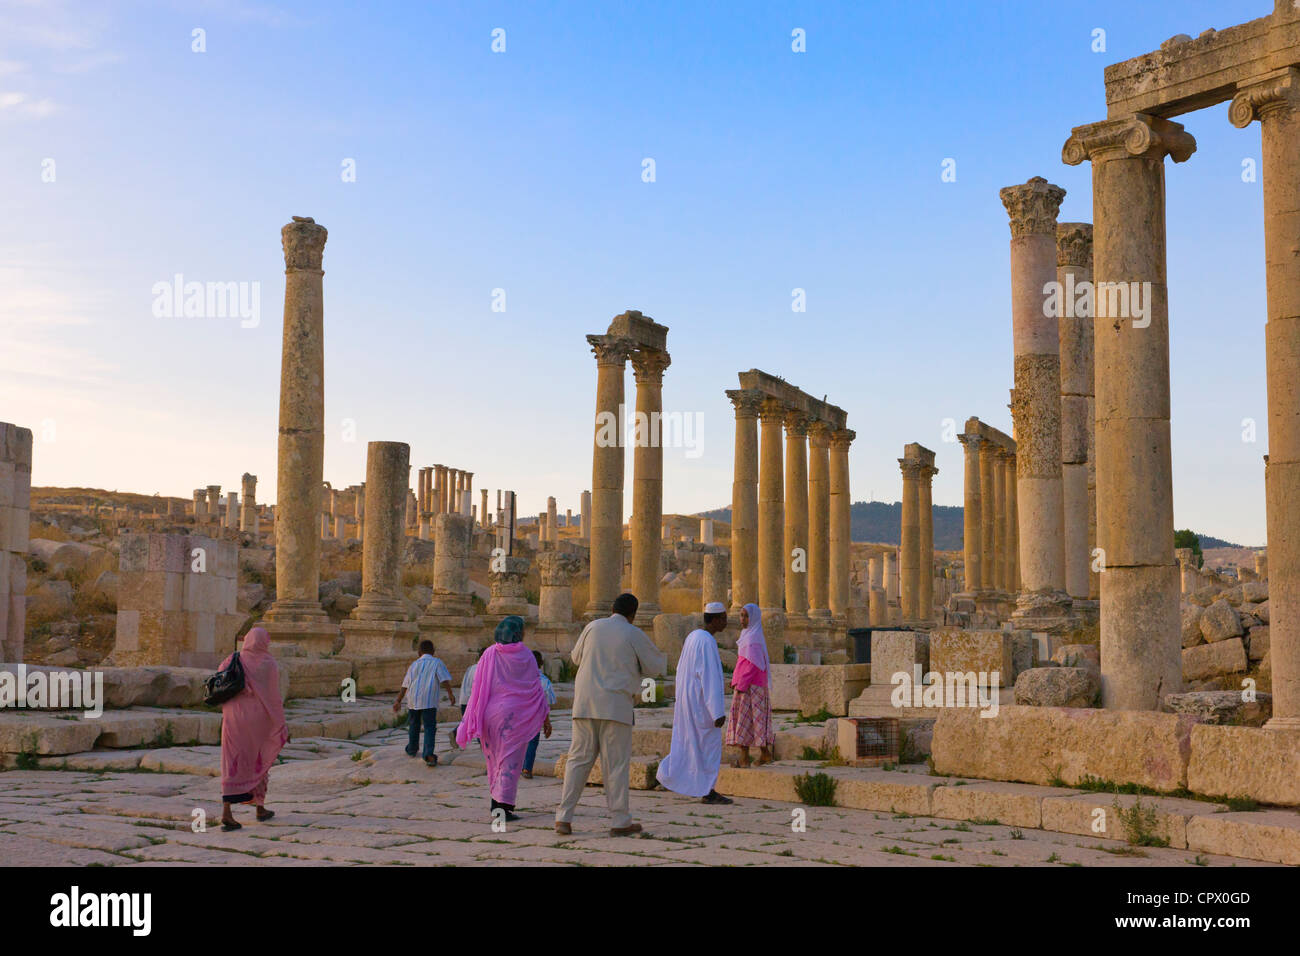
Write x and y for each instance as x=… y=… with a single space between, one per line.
x=365 y=801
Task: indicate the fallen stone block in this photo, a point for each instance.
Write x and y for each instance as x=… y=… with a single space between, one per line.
x=40 y=734
x=988 y=653
x=1047 y=745
x=305 y=677
x=1191 y=614
x=1058 y=687
x=1011 y=804
x=1253 y=762
x=1104 y=815
x=1078 y=655
x=811 y=688
x=1214 y=660
x=1221 y=707
x=1220 y=622
x=1270 y=835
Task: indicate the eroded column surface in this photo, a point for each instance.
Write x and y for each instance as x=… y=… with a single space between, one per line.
x=891 y=586
x=297 y=613
x=1074 y=276
x=819 y=520
x=607 y=475
x=771 y=507
x=648 y=480
x=1274 y=101
x=248 y=509
x=910 y=538
x=1001 y=546
x=1033 y=208
x=586 y=516
x=841 y=522
x=1141 y=647
x=925 y=526
x=1013 y=524
x=388 y=470
x=744 y=499
x=972 y=512
x=796 y=514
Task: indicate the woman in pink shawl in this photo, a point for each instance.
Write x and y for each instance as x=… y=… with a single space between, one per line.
x=252 y=730
x=751 y=708
x=507 y=708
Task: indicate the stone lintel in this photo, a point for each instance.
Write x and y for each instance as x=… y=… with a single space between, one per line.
x=772 y=386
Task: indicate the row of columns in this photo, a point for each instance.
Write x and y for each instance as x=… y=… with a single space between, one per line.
x=789 y=510
x=990 y=532
x=442 y=490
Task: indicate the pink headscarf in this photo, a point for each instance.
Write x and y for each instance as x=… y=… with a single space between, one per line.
x=752 y=645
x=252 y=722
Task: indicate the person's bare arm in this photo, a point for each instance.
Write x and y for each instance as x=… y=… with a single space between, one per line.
x=397 y=704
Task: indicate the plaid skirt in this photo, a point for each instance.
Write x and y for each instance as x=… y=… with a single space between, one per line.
x=751 y=719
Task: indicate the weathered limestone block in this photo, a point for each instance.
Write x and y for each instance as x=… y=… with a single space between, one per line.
x=1011 y=804
x=1222 y=707
x=1272 y=835
x=1078 y=814
x=1214 y=660
x=1078 y=655
x=1257 y=642
x=670 y=632
x=1040 y=744
x=808 y=688
x=379 y=674
x=1219 y=622
x=27 y=732
x=989 y=654
x=154 y=686
x=1254 y=592
x=1192 y=614
x=1260 y=763
x=302 y=677
x=1058 y=687
x=894 y=652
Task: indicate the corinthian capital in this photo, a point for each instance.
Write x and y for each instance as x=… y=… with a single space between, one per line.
x=1277 y=90
x=1033 y=207
x=747 y=401
x=1136 y=135
x=648 y=366
x=1074 y=244
x=304 y=244
x=611 y=349
x=842 y=438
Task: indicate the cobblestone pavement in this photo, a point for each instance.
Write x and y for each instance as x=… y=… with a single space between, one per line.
x=365 y=801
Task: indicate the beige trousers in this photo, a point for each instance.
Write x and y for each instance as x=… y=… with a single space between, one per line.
x=611 y=741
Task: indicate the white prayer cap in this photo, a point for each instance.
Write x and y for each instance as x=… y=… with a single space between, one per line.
x=715 y=607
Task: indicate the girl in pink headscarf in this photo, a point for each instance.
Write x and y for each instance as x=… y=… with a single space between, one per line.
x=751 y=707
x=252 y=730
x=507 y=708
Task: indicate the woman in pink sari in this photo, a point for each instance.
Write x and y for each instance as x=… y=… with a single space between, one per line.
x=252 y=730
x=507 y=707
x=751 y=706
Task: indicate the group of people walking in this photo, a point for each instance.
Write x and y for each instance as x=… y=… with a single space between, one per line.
x=506 y=701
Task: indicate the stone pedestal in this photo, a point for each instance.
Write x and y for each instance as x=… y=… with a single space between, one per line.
x=506 y=581
x=555 y=603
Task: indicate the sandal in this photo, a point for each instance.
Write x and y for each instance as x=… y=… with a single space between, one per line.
x=231 y=826
x=264 y=815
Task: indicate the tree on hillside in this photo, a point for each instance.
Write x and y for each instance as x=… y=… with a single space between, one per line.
x=1189 y=539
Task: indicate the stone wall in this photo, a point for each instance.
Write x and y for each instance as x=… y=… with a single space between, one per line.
x=15 y=505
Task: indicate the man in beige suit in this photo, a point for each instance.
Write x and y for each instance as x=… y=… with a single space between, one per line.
x=612 y=655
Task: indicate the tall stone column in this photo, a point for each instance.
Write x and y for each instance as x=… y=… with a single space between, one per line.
x=586 y=517
x=796 y=513
x=744 y=499
x=248 y=511
x=771 y=508
x=972 y=511
x=607 y=475
x=438 y=487
x=714 y=579
x=819 y=520
x=214 y=503
x=1013 y=524
x=1141 y=647
x=925 y=523
x=200 y=504
x=841 y=521
x=483 y=509
x=232 y=510
x=552 y=521
x=378 y=623
x=910 y=537
x=892 y=598
x=1001 y=546
x=452 y=603
x=648 y=481
x=1274 y=101
x=988 y=516
x=297 y=614
x=1074 y=267
x=1033 y=207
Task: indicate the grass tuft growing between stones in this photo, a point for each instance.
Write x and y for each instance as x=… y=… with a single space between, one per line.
x=815 y=789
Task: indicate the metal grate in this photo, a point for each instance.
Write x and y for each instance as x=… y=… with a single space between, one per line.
x=877 y=740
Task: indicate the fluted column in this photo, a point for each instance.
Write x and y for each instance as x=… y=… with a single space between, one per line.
x=1073 y=268
x=1141 y=649
x=972 y=511
x=771 y=507
x=841 y=502
x=647 y=481
x=1274 y=101
x=819 y=520
x=744 y=499
x=1032 y=208
x=607 y=475
x=796 y=513
x=301 y=448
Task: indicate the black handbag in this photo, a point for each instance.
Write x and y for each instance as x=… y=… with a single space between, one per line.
x=225 y=683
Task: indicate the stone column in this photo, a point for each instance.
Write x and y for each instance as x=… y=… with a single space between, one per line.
x=1001 y=569
x=359 y=505
x=925 y=515
x=297 y=614
x=819 y=520
x=988 y=516
x=439 y=492
x=214 y=503
x=744 y=499
x=1013 y=524
x=15 y=521
x=586 y=517
x=378 y=623
x=200 y=504
x=715 y=578
x=706 y=532
x=1261 y=565
x=552 y=522
x=248 y=512
x=1074 y=267
x=891 y=585
x=506 y=584
x=796 y=514
x=452 y=603
x=648 y=481
x=875 y=578
x=607 y=475
x=1275 y=102
x=771 y=508
x=483 y=508
x=910 y=537
x=555 y=601
x=972 y=511
x=1037 y=405
x=232 y=510
x=1141 y=649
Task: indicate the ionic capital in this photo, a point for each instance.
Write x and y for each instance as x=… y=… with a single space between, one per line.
x=1033 y=207
x=648 y=366
x=746 y=401
x=1074 y=244
x=611 y=349
x=304 y=244
x=1137 y=135
x=1276 y=91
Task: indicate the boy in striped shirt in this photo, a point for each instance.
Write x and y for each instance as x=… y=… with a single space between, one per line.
x=421 y=688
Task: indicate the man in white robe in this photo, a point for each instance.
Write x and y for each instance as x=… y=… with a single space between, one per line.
x=693 y=761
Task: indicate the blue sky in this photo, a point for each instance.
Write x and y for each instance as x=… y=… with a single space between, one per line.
x=522 y=171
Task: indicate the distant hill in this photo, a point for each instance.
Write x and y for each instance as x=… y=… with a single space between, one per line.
x=880 y=523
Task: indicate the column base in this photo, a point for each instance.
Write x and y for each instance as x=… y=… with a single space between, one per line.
x=1289 y=724
x=821 y=614
x=1047 y=611
x=291 y=623
x=369 y=638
